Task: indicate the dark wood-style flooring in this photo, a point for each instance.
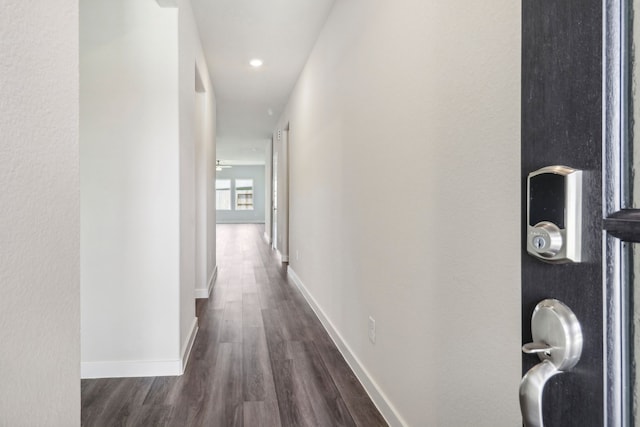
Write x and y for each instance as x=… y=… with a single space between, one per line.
x=261 y=358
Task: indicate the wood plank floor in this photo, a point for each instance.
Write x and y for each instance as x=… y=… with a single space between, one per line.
x=261 y=358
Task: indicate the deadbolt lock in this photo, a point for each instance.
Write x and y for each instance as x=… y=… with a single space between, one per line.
x=554 y=214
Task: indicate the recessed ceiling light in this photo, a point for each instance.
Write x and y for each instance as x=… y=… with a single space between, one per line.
x=256 y=63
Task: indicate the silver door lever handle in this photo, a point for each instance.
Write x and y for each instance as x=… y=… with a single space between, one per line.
x=531 y=388
x=557 y=340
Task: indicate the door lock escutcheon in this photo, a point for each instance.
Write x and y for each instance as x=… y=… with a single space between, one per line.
x=554 y=214
x=557 y=340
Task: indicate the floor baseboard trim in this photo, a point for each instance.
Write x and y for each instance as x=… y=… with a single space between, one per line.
x=283 y=258
x=373 y=390
x=266 y=237
x=188 y=345
x=206 y=293
x=141 y=368
x=131 y=368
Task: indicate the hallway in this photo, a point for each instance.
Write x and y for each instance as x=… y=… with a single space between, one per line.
x=261 y=358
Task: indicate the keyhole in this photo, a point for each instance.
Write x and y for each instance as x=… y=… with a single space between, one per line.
x=539 y=242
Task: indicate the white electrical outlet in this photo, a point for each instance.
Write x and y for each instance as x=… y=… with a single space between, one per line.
x=297 y=255
x=372 y=330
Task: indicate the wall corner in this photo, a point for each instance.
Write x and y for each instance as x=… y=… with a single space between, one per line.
x=167 y=3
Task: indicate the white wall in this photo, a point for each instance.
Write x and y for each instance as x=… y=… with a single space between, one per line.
x=405 y=202
x=39 y=211
x=205 y=190
x=188 y=135
x=129 y=175
x=138 y=186
x=197 y=158
x=210 y=151
x=204 y=135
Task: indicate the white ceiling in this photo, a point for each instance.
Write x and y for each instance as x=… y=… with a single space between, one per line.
x=282 y=34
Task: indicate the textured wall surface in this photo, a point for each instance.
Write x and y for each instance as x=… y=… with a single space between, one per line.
x=405 y=200
x=39 y=214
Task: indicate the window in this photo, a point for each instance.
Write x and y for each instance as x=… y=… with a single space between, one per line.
x=244 y=194
x=223 y=194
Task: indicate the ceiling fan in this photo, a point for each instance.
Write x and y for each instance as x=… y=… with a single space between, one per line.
x=219 y=166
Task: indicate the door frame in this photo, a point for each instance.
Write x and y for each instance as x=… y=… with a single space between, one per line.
x=621 y=222
x=280 y=193
x=274 y=194
x=283 y=203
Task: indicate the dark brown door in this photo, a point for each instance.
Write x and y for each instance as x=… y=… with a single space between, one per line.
x=562 y=125
x=573 y=112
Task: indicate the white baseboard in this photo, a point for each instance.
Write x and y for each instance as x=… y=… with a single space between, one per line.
x=131 y=368
x=188 y=345
x=283 y=258
x=205 y=293
x=266 y=238
x=141 y=368
x=385 y=407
